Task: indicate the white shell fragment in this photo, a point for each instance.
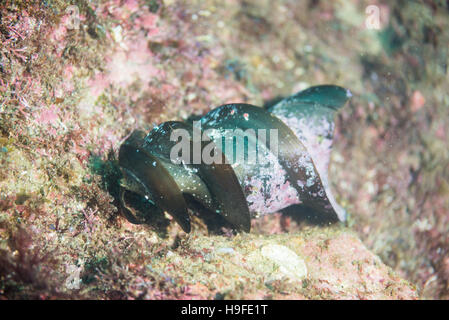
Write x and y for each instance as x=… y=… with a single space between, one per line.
x=289 y=263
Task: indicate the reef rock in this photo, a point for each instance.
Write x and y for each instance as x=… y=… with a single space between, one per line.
x=317 y=263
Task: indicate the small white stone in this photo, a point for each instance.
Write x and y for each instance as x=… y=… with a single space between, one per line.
x=288 y=261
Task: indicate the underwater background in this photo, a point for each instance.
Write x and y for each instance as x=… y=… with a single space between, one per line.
x=77 y=77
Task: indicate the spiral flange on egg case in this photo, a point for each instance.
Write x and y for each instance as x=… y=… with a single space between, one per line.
x=235 y=188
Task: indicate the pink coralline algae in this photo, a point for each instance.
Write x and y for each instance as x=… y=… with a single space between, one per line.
x=48 y=116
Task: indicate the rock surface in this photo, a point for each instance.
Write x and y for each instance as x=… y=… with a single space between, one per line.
x=318 y=263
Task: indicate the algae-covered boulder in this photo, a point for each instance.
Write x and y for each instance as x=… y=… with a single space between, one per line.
x=317 y=263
